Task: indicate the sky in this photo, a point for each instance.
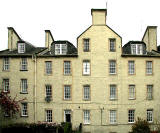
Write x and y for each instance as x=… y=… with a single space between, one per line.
x=67 y=19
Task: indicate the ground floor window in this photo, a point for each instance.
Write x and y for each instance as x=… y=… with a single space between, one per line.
x=48 y=115
x=86 y=116
x=67 y=115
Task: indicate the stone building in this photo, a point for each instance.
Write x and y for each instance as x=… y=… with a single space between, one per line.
x=99 y=83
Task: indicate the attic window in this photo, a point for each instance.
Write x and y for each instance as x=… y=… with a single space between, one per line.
x=21 y=47
x=60 y=49
x=137 y=49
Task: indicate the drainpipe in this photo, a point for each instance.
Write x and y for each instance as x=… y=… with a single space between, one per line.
x=35 y=87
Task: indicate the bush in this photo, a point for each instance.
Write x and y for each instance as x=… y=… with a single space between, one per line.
x=140 y=126
x=68 y=127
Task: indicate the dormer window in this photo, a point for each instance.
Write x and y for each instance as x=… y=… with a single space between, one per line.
x=137 y=49
x=21 y=47
x=60 y=49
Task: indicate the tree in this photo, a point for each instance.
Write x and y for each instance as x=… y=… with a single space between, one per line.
x=140 y=126
x=9 y=105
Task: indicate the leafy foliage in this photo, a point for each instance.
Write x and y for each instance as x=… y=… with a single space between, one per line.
x=140 y=126
x=9 y=105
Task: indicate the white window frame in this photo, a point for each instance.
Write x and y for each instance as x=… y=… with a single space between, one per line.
x=113 y=92
x=86 y=116
x=6 y=86
x=132 y=92
x=86 y=92
x=24 y=111
x=86 y=67
x=149 y=92
x=86 y=45
x=112 y=67
x=48 y=90
x=150 y=115
x=48 y=67
x=6 y=63
x=131 y=67
x=149 y=67
x=131 y=116
x=67 y=111
x=21 y=47
x=67 y=67
x=24 y=86
x=113 y=117
x=60 y=49
x=137 y=49
x=49 y=115
x=67 y=92
x=24 y=64
x=112 y=45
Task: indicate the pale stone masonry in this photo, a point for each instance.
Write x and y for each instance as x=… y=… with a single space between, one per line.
x=100 y=84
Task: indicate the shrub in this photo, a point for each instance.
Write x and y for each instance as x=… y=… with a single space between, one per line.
x=140 y=126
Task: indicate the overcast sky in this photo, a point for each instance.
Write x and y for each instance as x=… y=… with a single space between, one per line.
x=67 y=19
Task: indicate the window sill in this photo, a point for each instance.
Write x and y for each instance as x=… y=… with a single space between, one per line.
x=25 y=116
x=67 y=99
x=6 y=70
x=67 y=74
x=23 y=92
x=115 y=99
x=48 y=74
x=113 y=124
x=112 y=74
x=131 y=123
x=86 y=124
x=23 y=70
x=86 y=99
x=86 y=74
x=132 y=99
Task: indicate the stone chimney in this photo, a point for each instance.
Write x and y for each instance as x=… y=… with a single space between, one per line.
x=150 y=38
x=13 y=38
x=98 y=16
x=48 y=39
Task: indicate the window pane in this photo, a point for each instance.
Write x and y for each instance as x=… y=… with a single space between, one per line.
x=24 y=64
x=67 y=67
x=112 y=45
x=112 y=92
x=131 y=116
x=86 y=92
x=86 y=45
x=6 y=63
x=112 y=116
x=24 y=85
x=86 y=67
x=48 y=115
x=60 y=49
x=149 y=67
x=131 y=67
x=131 y=91
x=24 y=109
x=67 y=92
x=86 y=115
x=112 y=67
x=149 y=92
x=48 y=91
x=150 y=115
x=48 y=67
x=5 y=85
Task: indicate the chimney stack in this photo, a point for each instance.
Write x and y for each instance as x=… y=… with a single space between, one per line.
x=13 y=38
x=98 y=16
x=150 y=38
x=48 y=39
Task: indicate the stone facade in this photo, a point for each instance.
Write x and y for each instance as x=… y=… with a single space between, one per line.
x=100 y=104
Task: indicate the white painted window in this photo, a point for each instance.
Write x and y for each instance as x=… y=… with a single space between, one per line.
x=86 y=45
x=86 y=90
x=48 y=67
x=6 y=63
x=86 y=115
x=24 y=85
x=24 y=111
x=21 y=47
x=67 y=115
x=149 y=92
x=137 y=49
x=113 y=92
x=131 y=115
x=112 y=45
x=23 y=64
x=67 y=92
x=48 y=91
x=6 y=85
x=149 y=66
x=48 y=115
x=149 y=115
x=132 y=92
x=60 y=49
x=112 y=67
x=67 y=67
x=86 y=67
x=113 y=116
x=131 y=68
